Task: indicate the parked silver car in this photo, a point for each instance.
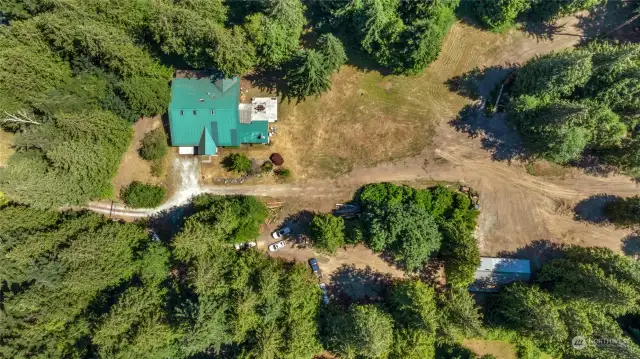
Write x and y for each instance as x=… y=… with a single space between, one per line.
x=276 y=246
x=281 y=232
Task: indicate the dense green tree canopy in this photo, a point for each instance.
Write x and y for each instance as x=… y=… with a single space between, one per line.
x=308 y=75
x=624 y=212
x=327 y=232
x=554 y=75
x=142 y=195
x=233 y=219
x=81 y=286
x=365 y=332
x=59 y=265
x=499 y=15
x=586 y=99
x=68 y=160
x=404 y=36
x=409 y=223
x=582 y=293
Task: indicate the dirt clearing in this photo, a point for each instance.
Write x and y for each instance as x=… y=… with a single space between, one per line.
x=133 y=167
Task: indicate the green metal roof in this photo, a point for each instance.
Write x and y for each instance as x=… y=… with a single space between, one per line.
x=201 y=105
x=207 y=146
x=254 y=132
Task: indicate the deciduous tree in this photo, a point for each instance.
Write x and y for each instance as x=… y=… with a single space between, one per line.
x=327 y=231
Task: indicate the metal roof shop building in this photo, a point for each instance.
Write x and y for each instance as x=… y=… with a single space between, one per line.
x=494 y=273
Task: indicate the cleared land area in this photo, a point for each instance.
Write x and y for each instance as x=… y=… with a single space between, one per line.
x=367 y=118
x=135 y=168
x=517 y=208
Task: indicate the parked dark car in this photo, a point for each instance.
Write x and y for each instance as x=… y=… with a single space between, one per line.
x=325 y=294
x=314 y=266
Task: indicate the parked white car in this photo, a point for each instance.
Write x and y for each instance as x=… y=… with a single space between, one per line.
x=281 y=232
x=246 y=245
x=275 y=246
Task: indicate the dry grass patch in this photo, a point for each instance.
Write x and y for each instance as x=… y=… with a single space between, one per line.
x=133 y=167
x=6 y=147
x=500 y=349
x=367 y=118
x=548 y=169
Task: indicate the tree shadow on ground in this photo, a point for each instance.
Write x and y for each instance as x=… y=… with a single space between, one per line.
x=503 y=142
x=168 y=223
x=631 y=245
x=592 y=164
x=431 y=272
x=465 y=12
x=591 y=209
x=478 y=83
x=299 y=224
x=270 y=81
x=543 y=30
x=454 y=351
x=496 y=136
x=537 y=252
x=603 y=20
x=350 y=284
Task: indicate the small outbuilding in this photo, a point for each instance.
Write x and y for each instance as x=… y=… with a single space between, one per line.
x=494 y=273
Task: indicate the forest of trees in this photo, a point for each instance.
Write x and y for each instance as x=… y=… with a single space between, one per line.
x=582 y=101
x=78 y=285
x=499 y=15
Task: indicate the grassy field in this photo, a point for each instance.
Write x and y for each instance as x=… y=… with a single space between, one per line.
x=367 y=118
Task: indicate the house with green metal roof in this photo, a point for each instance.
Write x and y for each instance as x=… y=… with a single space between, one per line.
x=205 y=114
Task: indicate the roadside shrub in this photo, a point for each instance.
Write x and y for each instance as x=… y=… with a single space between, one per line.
x=460 y=254
x=266 y=167
x=154 y=145
x=283 y=173
x=142 y=195
x=624 y=212
x=3 y=200
x=327 y=232
x=499 y=15
x=157 y=168
x=238 y=163
x=353 y=232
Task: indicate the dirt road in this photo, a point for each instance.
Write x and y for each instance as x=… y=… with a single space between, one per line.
x=516 y=208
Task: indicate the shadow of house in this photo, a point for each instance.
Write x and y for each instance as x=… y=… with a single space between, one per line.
x=591 y=209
